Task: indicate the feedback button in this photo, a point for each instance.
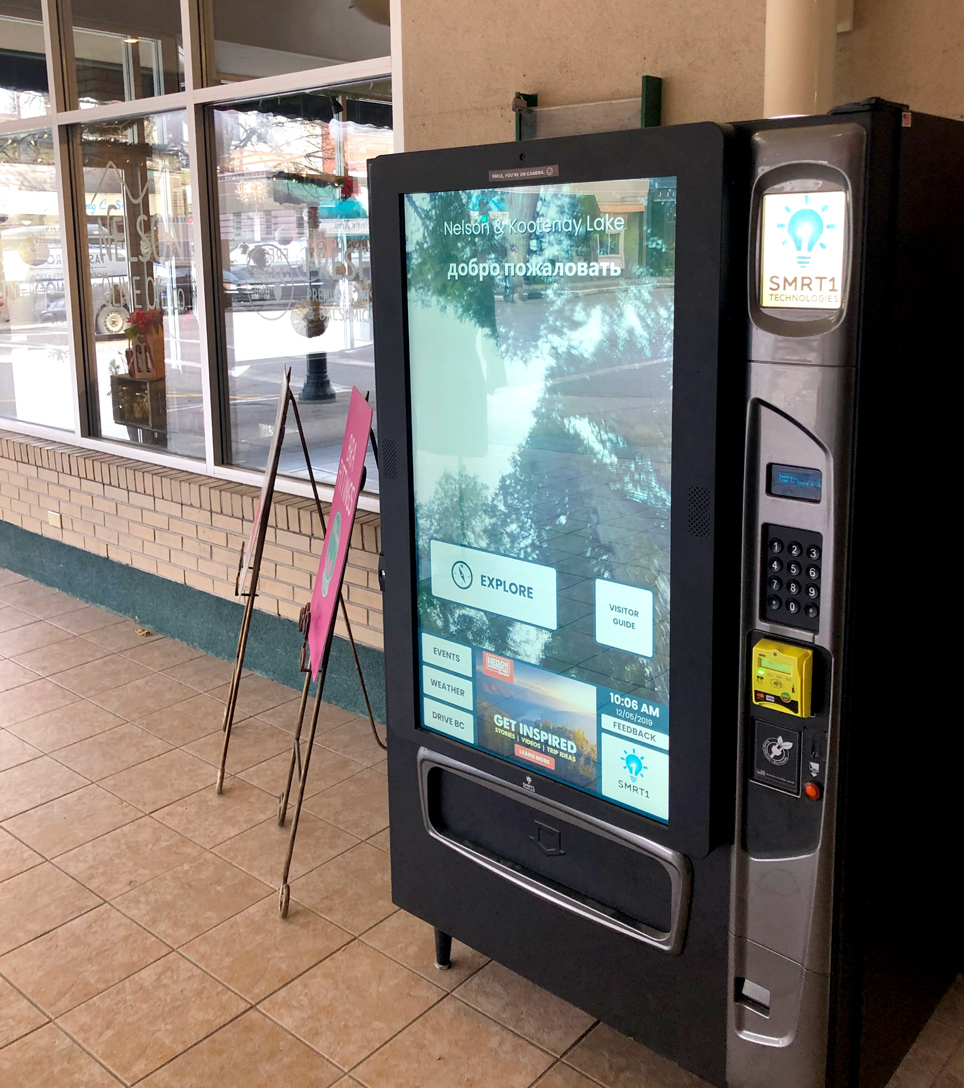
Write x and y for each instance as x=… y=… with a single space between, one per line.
x=495 y=583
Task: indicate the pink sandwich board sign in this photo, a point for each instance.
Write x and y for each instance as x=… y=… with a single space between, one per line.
x=341 y=519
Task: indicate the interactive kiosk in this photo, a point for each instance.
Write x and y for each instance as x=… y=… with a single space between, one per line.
x=659 y=525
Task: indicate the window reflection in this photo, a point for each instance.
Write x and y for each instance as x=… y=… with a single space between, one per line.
x=140 y=261
x=251 y=41
x=35 y=382
x=127 y=51
x=296 y=265
x=23 y=65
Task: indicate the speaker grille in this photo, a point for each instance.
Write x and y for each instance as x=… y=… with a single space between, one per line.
x=698 y=514
x=389 y=466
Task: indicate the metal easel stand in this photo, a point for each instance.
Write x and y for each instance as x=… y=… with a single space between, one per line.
x=284 y=894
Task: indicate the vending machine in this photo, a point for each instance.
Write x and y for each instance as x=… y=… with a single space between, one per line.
x=659 y=414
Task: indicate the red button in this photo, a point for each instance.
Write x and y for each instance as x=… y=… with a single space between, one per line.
x=812 y=790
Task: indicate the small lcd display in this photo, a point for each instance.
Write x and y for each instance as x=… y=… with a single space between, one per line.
x=793 y=482
x=776 y=666
x=802 y=250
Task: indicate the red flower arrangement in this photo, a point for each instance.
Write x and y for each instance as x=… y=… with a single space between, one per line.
x=140 y=322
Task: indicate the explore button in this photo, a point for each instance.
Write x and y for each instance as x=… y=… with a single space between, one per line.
x=495 y=583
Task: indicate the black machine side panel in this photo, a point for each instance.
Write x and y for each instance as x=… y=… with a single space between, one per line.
x=898 y=939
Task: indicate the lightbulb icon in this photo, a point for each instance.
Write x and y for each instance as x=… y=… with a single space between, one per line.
x=804 y=229
x=633 y=764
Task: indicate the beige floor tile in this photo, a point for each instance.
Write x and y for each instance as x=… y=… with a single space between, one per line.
x=453 y=1044
x=935 y=1044
x=149 y=1018
x=351 y=1003
x=70 y=821
x=111 y=751
x=527 y=1009
x=162 y=653
x=80 y=959
x=31 y=700
x=185 y=721
x=250 y=1052
x=41 y=600
x=355 y=741
x=65 y=725
x=325 y=770
x=30 y=636
x=256 y=952
x=285 y=716
x=353 y=889
x=951 y=1009
x=618 y=1062
x=358 y=805
x=17 y=1015
x=15 y=857
x=153 y=692
x=208 y=818
x=60 y=656
x=128 y=857
x=9 y=577
x=952 y=1075
x=382 y=840
x=411 y=942
x=121 y=635
x=14 y=751
x=11 y=618
x=252 y=742
x=261 y=849
x=564 y=1076
x=83 y=620
x=48 y=1059
x=256 y=695
x=185 y=902
x=37 y=901
x=203 y=673
x=161 y=781
x=31 y=784
x=13 y=675
x=102 y=675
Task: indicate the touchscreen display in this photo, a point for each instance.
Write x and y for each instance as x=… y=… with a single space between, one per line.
x=802 y=250
x=540 y=342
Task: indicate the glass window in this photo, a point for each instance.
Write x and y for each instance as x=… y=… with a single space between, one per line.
x=35 y=381
x=140 y=259
x=251 y=41
x=295 y=263
x=23 y=65
x=127 y=51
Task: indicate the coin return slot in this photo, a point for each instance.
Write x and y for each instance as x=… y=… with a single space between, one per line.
x=753 y=996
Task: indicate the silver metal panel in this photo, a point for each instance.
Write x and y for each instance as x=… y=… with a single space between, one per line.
x=800 y=411
x=675 y=864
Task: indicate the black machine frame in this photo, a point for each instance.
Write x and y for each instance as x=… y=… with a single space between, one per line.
x=700 y=769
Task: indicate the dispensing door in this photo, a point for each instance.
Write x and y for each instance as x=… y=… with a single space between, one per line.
x=806 y=212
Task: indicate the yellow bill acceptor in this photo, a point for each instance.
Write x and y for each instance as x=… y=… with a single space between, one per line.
x=782 y=676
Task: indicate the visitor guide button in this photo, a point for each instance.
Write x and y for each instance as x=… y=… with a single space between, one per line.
x=495 y=583
x=447 y=655
x=624 y=617
x=443 y=685
x=446 y=719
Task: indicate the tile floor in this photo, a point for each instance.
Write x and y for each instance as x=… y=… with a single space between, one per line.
x=139 y=935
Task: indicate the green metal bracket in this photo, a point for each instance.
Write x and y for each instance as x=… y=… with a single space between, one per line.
x=651 y=102
x=525 y=122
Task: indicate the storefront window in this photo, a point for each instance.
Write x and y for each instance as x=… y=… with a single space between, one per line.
x=127 y=51
x=295 y=263
x=140 y=259
x=23 y=65
x=35 y=381
x=251 y=41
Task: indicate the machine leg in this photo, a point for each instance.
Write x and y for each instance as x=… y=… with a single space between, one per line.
x=295 y=755
x=443 y=950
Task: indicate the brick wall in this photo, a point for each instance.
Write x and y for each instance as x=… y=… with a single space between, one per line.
x=182 y=526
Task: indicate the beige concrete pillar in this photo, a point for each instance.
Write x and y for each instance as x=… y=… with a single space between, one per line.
x=801 y=42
